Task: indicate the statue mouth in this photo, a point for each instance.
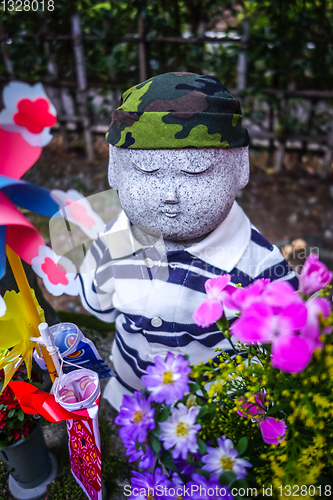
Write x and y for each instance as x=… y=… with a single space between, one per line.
x=170 y=214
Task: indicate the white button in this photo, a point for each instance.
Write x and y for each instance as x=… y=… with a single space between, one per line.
x=156 y=322
x=149 y=263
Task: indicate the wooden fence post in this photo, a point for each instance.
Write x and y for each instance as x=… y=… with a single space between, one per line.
x=328 y=153
x=142 y=49
x=82 y=84
x=53 y=72
x=242 y=62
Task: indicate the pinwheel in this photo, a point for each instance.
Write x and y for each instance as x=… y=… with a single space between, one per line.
x=24 y=129
x=16 y=331
x=25 y=125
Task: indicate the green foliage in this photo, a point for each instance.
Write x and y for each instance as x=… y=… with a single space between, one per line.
x=290 y=42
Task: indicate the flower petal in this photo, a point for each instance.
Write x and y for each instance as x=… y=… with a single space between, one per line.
x=291 y=353
x=208 y=313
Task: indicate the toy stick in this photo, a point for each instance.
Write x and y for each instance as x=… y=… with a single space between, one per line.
x=24 y=287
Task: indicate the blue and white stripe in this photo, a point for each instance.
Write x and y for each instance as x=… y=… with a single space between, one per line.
x=152 y=294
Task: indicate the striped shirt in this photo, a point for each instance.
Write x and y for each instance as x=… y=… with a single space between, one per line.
x=151 y=294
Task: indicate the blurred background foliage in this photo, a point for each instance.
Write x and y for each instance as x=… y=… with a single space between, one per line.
x=290 y=44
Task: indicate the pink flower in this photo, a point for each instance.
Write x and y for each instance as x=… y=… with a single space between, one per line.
x=272 y=430
x=241 y=298
x=253 y=410
x=314 y=275
x=211 y=310
x=258 y=323
x=311 y=331
x=58 y=273
x=291 y=353
x=280 y=294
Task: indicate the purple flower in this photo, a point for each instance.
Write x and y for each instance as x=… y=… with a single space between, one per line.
x=167 y=380
x=147 y=458
x=148 y=486
x=180 y=431
x=225 y=458
x=211 y=310
x=314 y=275
x=206 y=489
x=272 y=430
x=311 y=331
x=136 y=417
x=291 y=353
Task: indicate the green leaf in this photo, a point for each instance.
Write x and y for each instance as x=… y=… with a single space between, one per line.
x=194 y=387
x=11 y=413
x=168 y=462
x=240 y=483
x=157 y=431
x=137 y=445
x=164 y=414
x=202 y=446
x=105 y=5
x=242 y=445
x=3 y=443
x=155 y=445
x=20 y=415
x=227 y=478
x=202 y=412
x=222 y=324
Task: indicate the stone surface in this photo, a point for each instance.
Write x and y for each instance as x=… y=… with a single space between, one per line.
x=183 y=194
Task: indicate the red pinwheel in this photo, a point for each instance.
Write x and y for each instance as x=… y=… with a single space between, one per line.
x=24 y=129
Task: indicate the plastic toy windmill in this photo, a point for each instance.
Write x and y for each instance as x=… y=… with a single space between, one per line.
x=25 y=125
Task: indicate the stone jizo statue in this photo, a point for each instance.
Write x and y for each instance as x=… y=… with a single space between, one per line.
x=178 y=156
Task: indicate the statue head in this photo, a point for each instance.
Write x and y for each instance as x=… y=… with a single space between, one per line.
x=178 y=155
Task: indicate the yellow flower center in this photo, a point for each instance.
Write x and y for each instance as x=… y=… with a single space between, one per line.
x=227 y=463
x=138 y=416
x=182 y=429
x=168 y=378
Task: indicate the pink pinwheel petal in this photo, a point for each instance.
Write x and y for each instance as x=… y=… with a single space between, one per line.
x=17 y=155
x=272 y=431
x=207 y=313
x=215 y=286
x=21 y=236
x=291 y=353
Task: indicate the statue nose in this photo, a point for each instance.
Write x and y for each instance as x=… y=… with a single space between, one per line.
x=171 y=196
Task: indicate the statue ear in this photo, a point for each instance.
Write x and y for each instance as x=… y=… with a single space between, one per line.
x=243 y=167
x=112 y=169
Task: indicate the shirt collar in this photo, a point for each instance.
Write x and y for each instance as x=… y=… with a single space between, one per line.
x=225 y=246
x=222 y=248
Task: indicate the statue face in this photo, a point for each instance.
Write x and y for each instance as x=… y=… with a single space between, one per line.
x=182 y=193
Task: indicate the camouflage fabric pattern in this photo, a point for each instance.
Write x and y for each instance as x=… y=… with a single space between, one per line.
x=176 y=111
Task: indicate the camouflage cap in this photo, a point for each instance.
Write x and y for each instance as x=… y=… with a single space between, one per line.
x=176 y=111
